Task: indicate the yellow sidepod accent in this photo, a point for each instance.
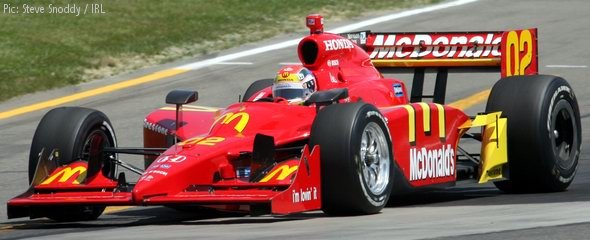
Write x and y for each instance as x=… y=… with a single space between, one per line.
x=411 y=124
x=425 y=117
x=494 y=147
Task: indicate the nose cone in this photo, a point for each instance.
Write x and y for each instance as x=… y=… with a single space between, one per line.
x=148 y=187
x=167 y=175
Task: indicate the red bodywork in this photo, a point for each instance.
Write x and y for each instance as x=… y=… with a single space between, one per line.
x=204 y=168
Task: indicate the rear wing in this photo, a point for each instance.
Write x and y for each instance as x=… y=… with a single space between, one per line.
x=509 y=52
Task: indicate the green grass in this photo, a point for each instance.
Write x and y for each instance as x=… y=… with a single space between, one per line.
x=44 y=51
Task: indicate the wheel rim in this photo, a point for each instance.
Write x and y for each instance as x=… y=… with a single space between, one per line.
x=562 y=131
x=375 y=159
x=94 y=143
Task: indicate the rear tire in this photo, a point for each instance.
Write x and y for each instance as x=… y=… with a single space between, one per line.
x=356 y=158
x=544 y=132
x=256 y=87
x=75 y=131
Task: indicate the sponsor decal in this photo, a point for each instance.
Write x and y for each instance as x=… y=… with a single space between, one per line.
x=282 y=171
x=304 y=195
x=434 y=46
x=230 y=117
x=357 y=37
x=333 y=63
x=332 y=78
x=398 y=90
x=155 y=127
x=240 y=119
x=146 y=178
x=72 y=175
x=426 y=120
x=171 y=159
x=363 y=38
x=165 y=166
x=157 y=172
x=288 y=75
x=427 y=163
x=337 y=44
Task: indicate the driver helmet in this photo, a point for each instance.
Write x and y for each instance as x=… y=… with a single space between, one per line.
x=294 y=83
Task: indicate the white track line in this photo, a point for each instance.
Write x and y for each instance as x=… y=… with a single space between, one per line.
x=403 y=14
x=234 y=63
x=347 y=28
x=290 y=63
x=566 y=66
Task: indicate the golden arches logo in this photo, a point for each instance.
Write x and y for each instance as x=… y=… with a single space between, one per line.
x=66 y=174
x=244 y=117
x=426 y=120
x=284 y=170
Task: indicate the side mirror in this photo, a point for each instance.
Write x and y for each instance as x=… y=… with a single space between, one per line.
x=178 y=98
x=322 y=98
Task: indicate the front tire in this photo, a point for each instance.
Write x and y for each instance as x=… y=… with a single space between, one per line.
x=356 y=158
x=76 y=132
x=544 y=132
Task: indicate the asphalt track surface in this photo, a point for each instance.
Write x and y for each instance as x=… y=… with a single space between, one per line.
x=468 y=211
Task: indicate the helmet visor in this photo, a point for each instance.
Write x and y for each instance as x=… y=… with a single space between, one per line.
x=289 y=93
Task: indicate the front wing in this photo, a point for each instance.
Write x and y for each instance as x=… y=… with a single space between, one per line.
x=67 y=186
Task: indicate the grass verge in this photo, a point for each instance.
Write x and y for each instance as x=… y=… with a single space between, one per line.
x=40 y=51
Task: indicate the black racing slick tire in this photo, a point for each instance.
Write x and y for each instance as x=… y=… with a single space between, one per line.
x=544 y=132
x=356 y=158
x=256 y=87
x=75 y=131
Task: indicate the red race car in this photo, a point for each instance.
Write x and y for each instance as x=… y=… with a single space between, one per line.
x=331 y=134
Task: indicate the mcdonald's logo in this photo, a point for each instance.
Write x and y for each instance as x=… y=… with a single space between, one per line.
x=426 y=120
x=284 y=171
x=244 y=117
x=78 y=174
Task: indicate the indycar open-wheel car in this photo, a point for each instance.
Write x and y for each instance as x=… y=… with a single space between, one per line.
x=358 y=140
